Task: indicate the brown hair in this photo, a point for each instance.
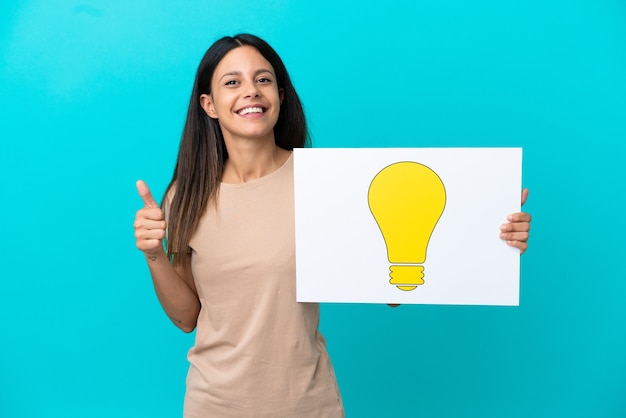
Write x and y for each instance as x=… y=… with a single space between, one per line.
x=202 y=150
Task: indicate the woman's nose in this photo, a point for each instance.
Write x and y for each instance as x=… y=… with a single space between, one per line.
x=252 y=90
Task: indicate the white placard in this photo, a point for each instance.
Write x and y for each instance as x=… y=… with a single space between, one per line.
x=342 y=253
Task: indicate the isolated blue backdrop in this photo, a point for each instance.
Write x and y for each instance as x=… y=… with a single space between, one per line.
x=94 y=95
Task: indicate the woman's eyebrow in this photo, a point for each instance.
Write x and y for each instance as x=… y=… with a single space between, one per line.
x=263 y=70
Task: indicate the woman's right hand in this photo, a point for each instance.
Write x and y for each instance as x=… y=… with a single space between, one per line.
x=149 y=223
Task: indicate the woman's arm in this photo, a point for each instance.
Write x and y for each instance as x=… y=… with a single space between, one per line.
x=174 y=286
x=175 y=289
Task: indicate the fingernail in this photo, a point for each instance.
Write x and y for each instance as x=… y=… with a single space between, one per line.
x=509 y=217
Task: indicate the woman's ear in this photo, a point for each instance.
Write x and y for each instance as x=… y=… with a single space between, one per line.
x=207 y=104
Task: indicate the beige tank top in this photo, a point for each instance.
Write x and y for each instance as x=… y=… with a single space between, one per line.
x=258 y=353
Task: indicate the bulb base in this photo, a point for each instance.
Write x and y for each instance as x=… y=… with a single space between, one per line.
x=406 y=278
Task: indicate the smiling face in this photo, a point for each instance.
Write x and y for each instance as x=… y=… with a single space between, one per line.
x=244 y=98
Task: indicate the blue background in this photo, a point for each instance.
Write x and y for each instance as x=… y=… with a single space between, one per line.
x=94 y=96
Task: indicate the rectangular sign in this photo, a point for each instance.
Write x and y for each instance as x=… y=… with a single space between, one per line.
x=406 y=225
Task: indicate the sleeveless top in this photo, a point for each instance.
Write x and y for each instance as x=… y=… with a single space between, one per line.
x=257 y=353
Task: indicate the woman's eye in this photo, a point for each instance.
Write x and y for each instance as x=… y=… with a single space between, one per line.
x=264 y=80
x=230 y=83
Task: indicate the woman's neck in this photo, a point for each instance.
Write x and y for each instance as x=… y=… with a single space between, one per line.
x=252 y=159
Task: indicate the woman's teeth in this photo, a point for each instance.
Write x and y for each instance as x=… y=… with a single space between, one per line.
x=248 y=110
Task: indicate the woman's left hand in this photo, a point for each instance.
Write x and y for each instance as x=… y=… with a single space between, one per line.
x=515 y=232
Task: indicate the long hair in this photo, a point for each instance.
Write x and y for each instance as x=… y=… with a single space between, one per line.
x=202 y=152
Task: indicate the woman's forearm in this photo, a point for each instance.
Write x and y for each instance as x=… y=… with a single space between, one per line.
x=178 y=299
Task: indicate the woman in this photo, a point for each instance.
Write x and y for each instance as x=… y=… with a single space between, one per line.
x=229 y=265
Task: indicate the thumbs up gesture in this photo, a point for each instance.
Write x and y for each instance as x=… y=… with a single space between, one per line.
x=149 y=223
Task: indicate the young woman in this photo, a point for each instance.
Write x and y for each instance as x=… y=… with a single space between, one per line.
x=228 y=269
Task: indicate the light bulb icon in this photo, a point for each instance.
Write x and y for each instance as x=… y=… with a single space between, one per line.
x=406 y=199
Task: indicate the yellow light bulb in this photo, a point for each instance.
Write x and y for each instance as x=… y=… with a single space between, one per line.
x=407 y=200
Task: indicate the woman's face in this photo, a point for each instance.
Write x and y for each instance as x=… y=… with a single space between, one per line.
x=244 y=98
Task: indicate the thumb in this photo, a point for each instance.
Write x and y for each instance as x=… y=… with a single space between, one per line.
x=524 y=196
x=146 y=196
